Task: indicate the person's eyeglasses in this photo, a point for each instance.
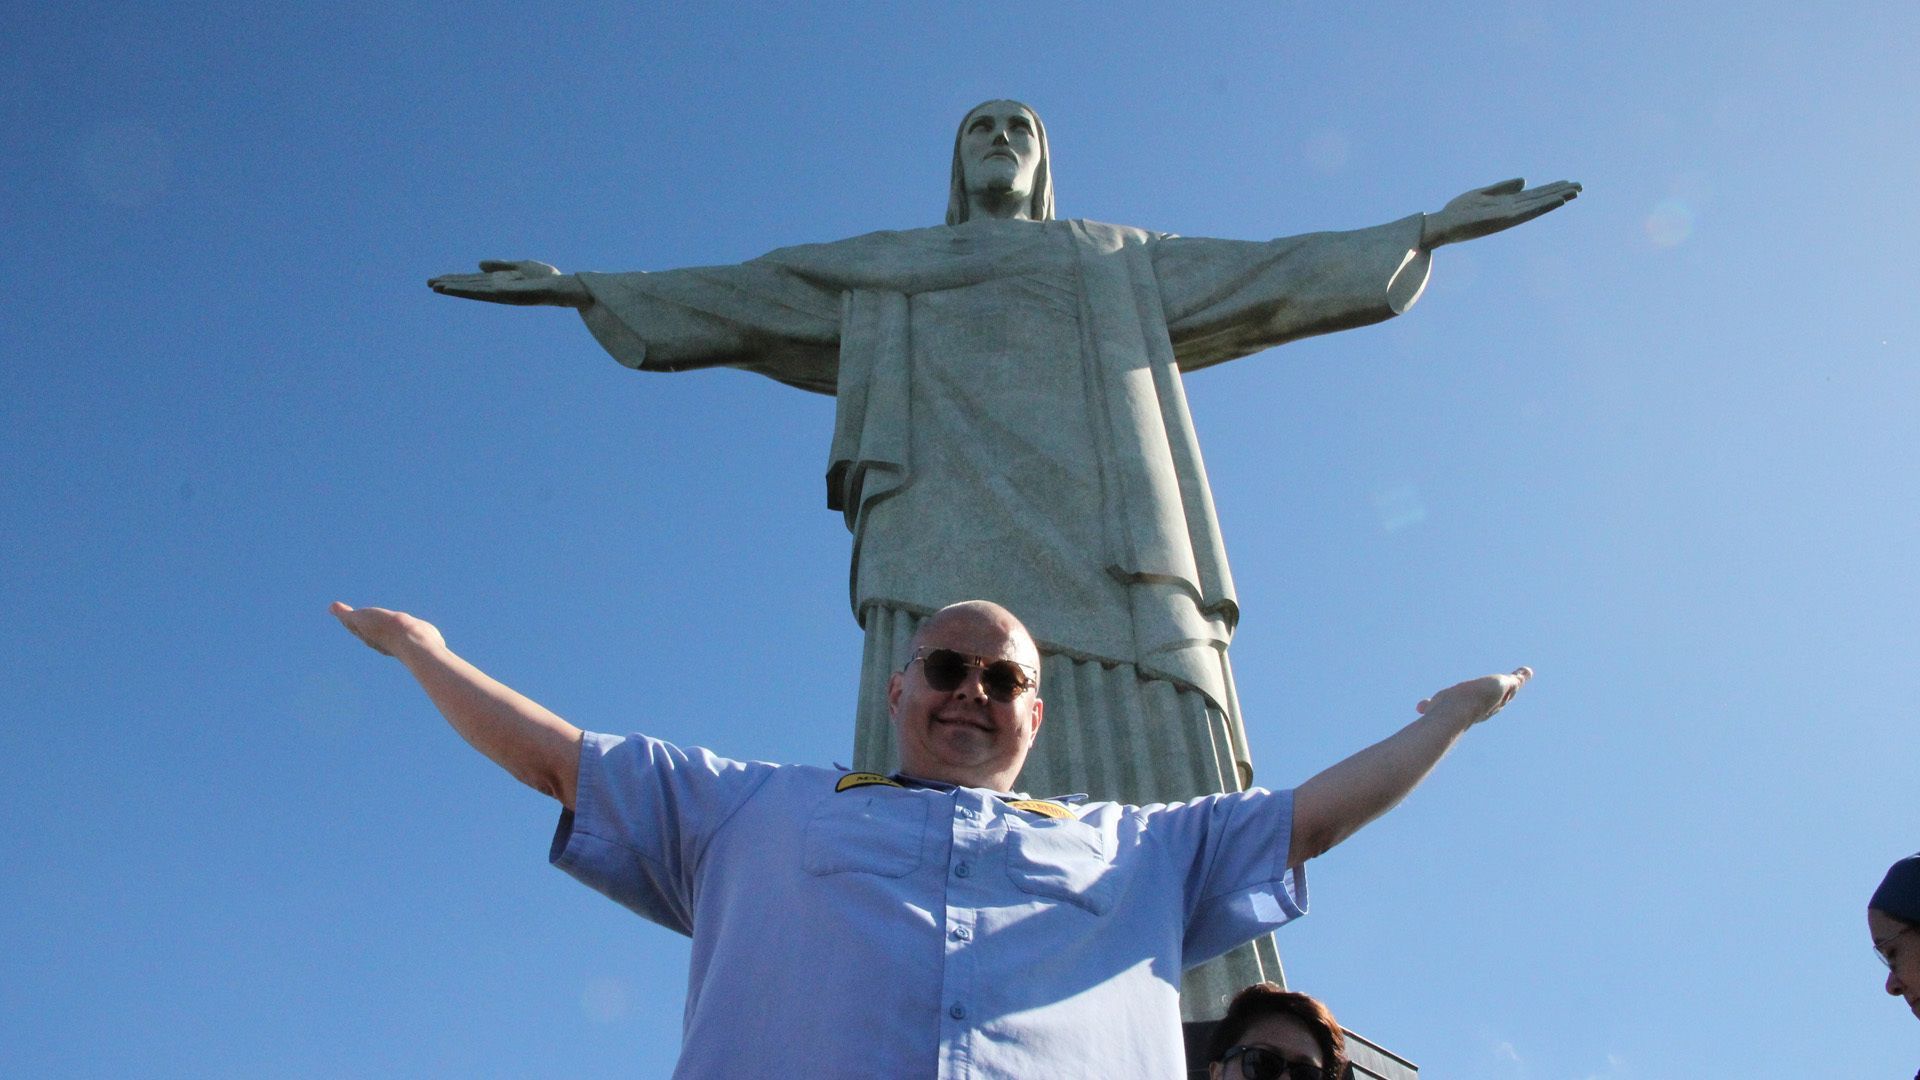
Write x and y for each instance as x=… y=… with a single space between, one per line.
x=1265 y=1063
x=944 y=670
x=1885 y=954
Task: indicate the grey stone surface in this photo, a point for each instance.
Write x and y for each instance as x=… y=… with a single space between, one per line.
x=1374 y=1062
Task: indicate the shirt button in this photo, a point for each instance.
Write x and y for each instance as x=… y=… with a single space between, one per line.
x=958 y=1012
x=961 y=933
x=963 y=870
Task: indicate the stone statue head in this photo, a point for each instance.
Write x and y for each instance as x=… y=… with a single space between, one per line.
x=1040 y=203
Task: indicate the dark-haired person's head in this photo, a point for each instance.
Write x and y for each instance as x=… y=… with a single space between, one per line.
x=1893 y=918
x=1274 y=1034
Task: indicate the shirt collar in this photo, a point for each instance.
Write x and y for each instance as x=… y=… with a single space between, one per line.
x=942 y=785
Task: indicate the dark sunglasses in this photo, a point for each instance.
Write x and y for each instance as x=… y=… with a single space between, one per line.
x=944 y=670
x=1265 y=1063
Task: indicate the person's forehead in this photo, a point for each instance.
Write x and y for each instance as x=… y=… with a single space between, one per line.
x=977 y=633
x=1882 y=925
x=1285 y=1033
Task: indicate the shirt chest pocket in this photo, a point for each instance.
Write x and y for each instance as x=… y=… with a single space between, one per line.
x=867 y=834
x=1063 y=860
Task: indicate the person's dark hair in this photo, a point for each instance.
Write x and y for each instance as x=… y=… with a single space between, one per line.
x=1899 y=892
x=1268 y=999
x=1040 y=208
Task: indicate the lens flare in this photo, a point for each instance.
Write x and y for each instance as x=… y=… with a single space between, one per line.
x=1670 y=223
x=1399 y=507
x=604 y=1000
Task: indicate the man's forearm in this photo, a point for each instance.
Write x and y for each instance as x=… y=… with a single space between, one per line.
x=539 y=748
x=1341 y=799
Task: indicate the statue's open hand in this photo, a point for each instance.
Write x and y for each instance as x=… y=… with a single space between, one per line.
x=1490 y=209
x=388 y=632
x=514 y=282
x=1478 y=698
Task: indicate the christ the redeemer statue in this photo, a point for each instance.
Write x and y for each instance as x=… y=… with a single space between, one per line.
x=1011 y=426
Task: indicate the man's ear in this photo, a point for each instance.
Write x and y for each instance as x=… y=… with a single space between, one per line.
x=893 y=695
x=1039 y=710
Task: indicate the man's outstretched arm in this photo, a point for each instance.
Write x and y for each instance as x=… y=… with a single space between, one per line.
x=1339 y=800
x=540 y=749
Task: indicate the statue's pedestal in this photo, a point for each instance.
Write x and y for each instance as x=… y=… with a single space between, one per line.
x=1207 y=990
x=1371 y=1061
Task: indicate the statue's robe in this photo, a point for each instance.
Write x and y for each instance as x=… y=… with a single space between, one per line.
x=1012 y=426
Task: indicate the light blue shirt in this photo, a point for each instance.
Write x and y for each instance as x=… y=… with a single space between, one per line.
x=896 y=932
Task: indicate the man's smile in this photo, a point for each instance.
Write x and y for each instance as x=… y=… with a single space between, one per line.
x=968 y=721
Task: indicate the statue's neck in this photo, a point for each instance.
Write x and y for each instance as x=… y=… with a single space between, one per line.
x=998 y=223
x=1004 y=206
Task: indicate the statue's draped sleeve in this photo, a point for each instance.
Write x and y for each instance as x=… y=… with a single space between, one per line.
x=758 y=316
x=831 y=318
x=782 y=314
x=1227 y=298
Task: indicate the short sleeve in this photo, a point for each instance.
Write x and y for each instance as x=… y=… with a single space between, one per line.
x=644 y=811
x=1239 y=885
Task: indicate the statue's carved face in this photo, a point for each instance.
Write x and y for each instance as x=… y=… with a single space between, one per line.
x=1000 y=150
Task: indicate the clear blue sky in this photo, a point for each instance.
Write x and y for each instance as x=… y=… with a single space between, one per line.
x=1660 y=445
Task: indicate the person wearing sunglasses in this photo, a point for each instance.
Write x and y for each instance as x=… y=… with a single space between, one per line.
x=1893 y=920
x=1274 y=1034
x=932 y=921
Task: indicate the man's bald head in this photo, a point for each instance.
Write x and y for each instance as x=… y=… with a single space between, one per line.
x=981 y=615
x=976 y=727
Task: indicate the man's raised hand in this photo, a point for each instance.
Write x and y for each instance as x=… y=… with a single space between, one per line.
x=1477 y=699
x=514 y=282
x=388 y=632
x=1491 y=209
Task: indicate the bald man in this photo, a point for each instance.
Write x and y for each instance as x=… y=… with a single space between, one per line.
x=931 y=922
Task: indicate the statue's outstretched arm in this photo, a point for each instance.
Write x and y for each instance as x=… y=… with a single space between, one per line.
x=520 y=282
x=1491 y=209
